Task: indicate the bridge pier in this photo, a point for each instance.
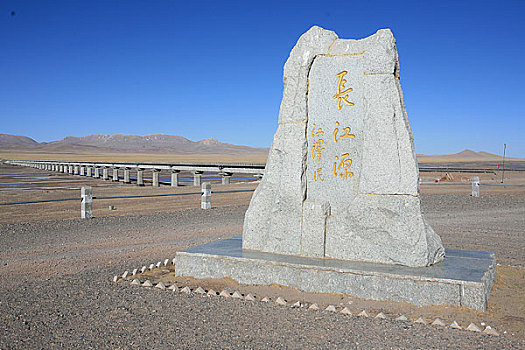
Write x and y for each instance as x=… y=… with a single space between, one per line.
x=155 y=177
x=197 y=178
x=82 y=171
x=225 y=178
x=126 y=176
x=89 y=171
x=105 y=175
x=70 y=169
x=96 y=175
x=140 y=177
x=175 y=178
x=115 y=175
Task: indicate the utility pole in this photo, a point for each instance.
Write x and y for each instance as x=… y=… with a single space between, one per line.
x=503 y=172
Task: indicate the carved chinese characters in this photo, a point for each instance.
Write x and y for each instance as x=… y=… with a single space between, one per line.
x=334 y=102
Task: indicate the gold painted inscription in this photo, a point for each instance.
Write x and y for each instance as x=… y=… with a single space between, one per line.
x=346 y=132
x=342 y=165
x=318 y=175
x=342 y=94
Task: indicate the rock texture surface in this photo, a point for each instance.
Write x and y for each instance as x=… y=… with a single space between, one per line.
x=342 y=179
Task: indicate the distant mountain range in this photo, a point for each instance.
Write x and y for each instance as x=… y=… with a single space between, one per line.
x=463 y=156
x=125 y=143
x=160 y=143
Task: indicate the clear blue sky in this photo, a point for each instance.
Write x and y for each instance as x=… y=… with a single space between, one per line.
x=214 y=69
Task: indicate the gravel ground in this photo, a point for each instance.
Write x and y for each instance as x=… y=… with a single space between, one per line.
x=56 y=290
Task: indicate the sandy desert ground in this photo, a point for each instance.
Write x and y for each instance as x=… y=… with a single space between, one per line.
x=56 y=270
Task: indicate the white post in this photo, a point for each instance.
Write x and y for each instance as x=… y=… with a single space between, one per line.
x=86 y=207
x=475 y=186
x=206 y=196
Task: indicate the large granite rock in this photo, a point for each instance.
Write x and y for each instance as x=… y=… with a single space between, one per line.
x=342 y=179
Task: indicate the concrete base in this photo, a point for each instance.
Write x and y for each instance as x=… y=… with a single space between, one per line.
x=464 y=278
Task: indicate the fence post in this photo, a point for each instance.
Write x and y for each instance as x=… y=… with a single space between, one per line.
x=86 y=206
x=475 y=186
x=206 y=196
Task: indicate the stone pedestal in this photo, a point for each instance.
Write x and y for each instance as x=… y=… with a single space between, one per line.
x=464 y=278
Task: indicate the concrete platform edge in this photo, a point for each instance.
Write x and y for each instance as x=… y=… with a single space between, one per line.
x=399 y=286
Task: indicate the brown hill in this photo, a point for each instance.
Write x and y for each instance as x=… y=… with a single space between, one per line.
x=172 y=145
x=463 y=156
x=7 y=140
x=99 y=144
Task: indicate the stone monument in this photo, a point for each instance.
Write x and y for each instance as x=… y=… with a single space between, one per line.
x=342 y=178
x=338 y=208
